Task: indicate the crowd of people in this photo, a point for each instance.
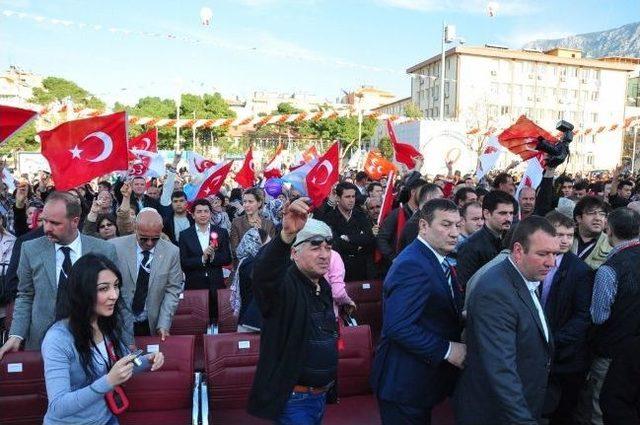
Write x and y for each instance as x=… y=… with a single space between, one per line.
x=523 y=306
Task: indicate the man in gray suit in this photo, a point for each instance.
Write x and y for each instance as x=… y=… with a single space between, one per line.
x=44 y=265
x=151 y=275
x=509 y=348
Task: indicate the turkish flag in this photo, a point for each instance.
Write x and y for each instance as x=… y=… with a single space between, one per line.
x=377 y=166
x=324 y=175
x=81 y=150
x=147 y=164
x=13 y=119
x=522 y=137
x=385 y=210
x=403 y=152
x=246 y=177
x=212 y=184
x=198 y=165
x=310 y=154
x=147 y=142
x=274 y=167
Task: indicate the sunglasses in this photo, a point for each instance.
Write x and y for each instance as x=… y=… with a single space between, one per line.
x=145 y=240
x=317 y=241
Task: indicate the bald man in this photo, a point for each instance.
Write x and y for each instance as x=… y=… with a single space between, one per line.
x=151 y=275
x=527 y=201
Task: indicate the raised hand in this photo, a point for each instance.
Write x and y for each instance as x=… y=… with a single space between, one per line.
x=294 y=218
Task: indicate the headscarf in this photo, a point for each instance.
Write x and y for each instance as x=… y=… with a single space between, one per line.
x=272 y=211
x=248 y=247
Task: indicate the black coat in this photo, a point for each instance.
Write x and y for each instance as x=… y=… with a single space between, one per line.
x=198 y=275
x=478 y=250
x=282 y=292
x=410 y=231
x=567 y=312
x=387 y=239
x=10 y=288
x=169 y=227
x=620 y=396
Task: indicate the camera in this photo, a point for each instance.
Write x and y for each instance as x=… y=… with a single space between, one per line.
x=557 y=152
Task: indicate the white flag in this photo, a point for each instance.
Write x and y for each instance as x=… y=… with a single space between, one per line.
x=489 y=157
x=532 y=176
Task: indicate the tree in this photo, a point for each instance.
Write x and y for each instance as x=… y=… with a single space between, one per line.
x=286 y=108
x=58 y=89
x=23 y=140
x=413 y=111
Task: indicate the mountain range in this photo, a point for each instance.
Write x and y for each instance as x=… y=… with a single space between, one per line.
x=622 y=41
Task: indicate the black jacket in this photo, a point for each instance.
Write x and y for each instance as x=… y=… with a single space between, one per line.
x=10 y=288
x=410 y=231
x=282 y=292
x=620 y=396
x=567 y=312
x=198 y=275
x=147 y=201
x=478 y=250
x=387 y=239
x=169 y=227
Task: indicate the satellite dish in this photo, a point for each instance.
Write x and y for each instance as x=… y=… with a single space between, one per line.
x=206 y=14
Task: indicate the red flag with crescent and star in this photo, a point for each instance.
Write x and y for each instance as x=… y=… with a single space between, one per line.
x=522 y=137
x=198 y=165
x=212 y=184
x=13 y=119
x=377 y=166
x=324 y=175
x=273 y=169
x=81 y=150
x=246 y=176
x=147 y=142
x=403 y=152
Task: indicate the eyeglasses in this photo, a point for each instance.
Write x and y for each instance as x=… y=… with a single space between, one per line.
x=596 y=213
x=317 y=241
x=145 y=240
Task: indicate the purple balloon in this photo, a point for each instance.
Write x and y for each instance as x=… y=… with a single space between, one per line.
x=273 y=187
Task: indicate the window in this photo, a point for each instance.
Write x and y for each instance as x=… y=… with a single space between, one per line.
x=435 y=112
x=594 y=117
x=435 y=94
x=594 y=96
x=574 y=94
x=494 y=89
x=446 y=110
x=446 y=89
x=504 y=110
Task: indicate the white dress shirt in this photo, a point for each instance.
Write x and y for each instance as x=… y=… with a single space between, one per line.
x=203 y=237
x=75 y=253
x=532 y=286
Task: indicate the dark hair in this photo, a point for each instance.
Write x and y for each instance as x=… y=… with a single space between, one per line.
x=495 y=197
x=587 y=203
x=428 y=211
x=201 y=201
x=528 y=227
x=257 y=193
x=426 y=190
x=236 y=194
x=82 y=293
x=105 y=184
x=139 y=177
x=415 y=184
x=481 y=191
x=263 y=235
x=624 y=223
x=372 y=185
x=564 y=179
x=341 y=187
x=505 y=242
x=461 y=194
x=465 y=207
x=361 y=175
x=580 y=185
x=74 y=209
x=558 y=219
x=110 y=217
x=623 y=183
x=178 y=194
x=501 y=179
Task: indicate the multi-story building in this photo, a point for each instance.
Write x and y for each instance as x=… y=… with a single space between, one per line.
x=394 y=108
x=493 y=85
x=366 y=98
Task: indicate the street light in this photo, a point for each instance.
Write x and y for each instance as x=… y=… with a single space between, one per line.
x=448 y=36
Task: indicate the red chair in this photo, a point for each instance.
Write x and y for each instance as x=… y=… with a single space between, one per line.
x=166 y=395
x=231 y=360
x=192 y=318
x=23 y=396
x=367 y=294
x=227 y=322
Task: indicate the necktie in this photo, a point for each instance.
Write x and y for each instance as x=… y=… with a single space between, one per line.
x=142 y=285
x=62 y=296
x=446 y=268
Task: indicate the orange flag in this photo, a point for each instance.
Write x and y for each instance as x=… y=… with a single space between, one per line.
x=377 y=166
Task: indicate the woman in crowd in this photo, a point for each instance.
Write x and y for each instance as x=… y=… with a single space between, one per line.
x=84 y=357
x=252 y=202
x=104 y=227
x=242 y=302
x=234 y=206
x=335 y=277
x=219 y=216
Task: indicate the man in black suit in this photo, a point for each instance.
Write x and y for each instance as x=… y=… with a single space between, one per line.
x=204 y=249
x=509 y=345
x=139 y=200
x=178 y=218
x=565 y=294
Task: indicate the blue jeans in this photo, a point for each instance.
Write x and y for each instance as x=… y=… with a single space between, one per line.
x=303 y=409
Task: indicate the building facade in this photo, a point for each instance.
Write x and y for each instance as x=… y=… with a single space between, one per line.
x=491 y=86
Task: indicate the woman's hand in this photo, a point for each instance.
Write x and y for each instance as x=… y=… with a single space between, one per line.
x=121 y=371
x=156 y=359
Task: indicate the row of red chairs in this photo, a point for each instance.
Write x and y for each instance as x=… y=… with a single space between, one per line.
x=175 y=395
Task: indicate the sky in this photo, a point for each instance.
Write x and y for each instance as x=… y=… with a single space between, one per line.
x=123 y=50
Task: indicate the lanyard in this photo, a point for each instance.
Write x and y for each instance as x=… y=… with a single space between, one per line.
x=110 y=352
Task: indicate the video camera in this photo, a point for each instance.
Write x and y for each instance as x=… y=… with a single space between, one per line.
x=558 y=152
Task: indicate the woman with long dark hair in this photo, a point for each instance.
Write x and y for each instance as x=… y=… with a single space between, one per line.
x=85 y=360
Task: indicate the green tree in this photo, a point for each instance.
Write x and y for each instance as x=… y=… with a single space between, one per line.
x=413 y=111
x=23 y=140
x=385 y=147
x=55 y=88
x=286 y=108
